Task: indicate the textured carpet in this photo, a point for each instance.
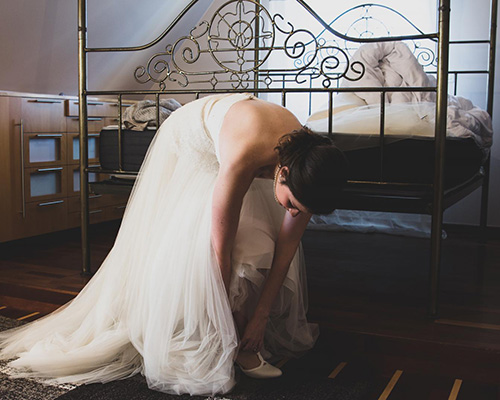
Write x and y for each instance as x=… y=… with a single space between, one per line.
x=304 y=378
x=25 y=389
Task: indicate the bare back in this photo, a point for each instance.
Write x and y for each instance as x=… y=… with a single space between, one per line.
x=250 y=132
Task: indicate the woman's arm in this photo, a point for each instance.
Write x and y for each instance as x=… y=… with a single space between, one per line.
x=287 y=243
x=242 y=153
x=231 y=185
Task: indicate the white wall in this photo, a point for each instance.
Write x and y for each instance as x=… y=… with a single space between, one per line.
x=470 y=19
x=39 y=41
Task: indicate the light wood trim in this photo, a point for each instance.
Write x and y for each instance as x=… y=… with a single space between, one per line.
x=63 y=184
x=55 y=136
x=455 y=389
x=69 y=147
x=390 y=386
x=28 y=316
x=337 y=370
x=10 y=167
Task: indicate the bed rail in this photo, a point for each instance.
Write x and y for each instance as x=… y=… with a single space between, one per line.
x=318 y=64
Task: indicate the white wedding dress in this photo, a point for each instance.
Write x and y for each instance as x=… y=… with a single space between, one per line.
x=157 y=305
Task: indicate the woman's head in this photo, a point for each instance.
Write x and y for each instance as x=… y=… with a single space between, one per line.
x=313 y=170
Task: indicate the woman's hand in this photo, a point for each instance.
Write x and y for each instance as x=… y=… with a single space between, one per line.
x=253 y=338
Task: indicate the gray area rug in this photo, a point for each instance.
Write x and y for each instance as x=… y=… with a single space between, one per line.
x=305 y=378
x=25 y=389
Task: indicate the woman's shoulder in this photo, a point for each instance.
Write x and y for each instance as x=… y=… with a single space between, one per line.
x=251 y=130
x=257 y=122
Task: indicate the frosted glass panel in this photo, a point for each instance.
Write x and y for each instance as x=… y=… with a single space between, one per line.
x=76 y=179
x=44 y=183
x=76 y=148
x=92 y=145
x=46 y=149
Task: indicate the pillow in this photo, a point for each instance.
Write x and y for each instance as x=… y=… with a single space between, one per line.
x=341 y=102
x=402 y=119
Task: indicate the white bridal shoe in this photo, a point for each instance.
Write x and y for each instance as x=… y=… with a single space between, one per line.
x=263 y=371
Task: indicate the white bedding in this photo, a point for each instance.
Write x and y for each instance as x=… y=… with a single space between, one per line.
x=407 y=113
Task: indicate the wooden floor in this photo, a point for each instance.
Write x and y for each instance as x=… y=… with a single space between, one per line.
x=368 y=292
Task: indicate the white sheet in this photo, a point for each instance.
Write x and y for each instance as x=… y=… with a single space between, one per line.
x=407 y=113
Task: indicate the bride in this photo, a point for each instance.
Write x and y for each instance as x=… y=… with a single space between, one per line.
x=207 y=267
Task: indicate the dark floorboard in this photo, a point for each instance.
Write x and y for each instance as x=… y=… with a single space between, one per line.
x=368 y=292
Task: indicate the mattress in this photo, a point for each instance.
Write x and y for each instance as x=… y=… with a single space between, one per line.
x=409 y=159
x=134 y=147
x=406 y=159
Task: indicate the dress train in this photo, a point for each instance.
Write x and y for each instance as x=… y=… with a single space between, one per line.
x=157 y=305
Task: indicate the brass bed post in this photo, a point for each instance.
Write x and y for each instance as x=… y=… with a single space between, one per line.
x=483 y=220
x=257 y=50
x=440 y=142
x=82 y=105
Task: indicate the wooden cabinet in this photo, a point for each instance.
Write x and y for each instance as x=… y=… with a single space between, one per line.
x=42 y=149
x=73 y=148
x=39 y=164
x=43 y=115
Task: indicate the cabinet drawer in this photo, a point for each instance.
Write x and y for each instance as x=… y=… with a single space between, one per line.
x=96 y=201
x=45 y=184
x=45 y=217
x=115 y=212
x=74 y=179
x=114 y=200
x=43 y=115
x=95 y=216
x=44 y=149
x=94 y=108
x=73 y=143
x=94 y=124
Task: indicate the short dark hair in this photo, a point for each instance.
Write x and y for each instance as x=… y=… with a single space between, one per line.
x=317 y=169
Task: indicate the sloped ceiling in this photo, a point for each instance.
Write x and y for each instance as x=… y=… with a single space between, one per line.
x=39 y=41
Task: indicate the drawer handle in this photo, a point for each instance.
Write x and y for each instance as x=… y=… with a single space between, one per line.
x=90 y=103
x=49 y=135
x=45 y=101
x=94 y=166
x=89 y=119
x=95 y=196
x=49 y=169
x=120 y=207
x=88 y=135
x=123 y=105
x=23 y=194
x=50 y=203
x=95 y=211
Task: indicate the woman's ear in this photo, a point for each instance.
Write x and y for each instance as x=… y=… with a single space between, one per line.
x=284 y=174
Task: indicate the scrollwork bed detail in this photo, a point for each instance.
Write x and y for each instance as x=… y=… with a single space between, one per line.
x=233 y=51
x=229 y=34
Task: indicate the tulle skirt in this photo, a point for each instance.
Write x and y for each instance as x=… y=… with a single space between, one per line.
x=157 y=305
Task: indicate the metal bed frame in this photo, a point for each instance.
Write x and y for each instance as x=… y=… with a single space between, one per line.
x=326 y=64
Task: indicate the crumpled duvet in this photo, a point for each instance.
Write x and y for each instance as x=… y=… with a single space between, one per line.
x=393 y=64
x=143 y=113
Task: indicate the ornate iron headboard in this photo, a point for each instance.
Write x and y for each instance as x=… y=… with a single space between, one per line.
x=240 y=49
x=241 y=35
